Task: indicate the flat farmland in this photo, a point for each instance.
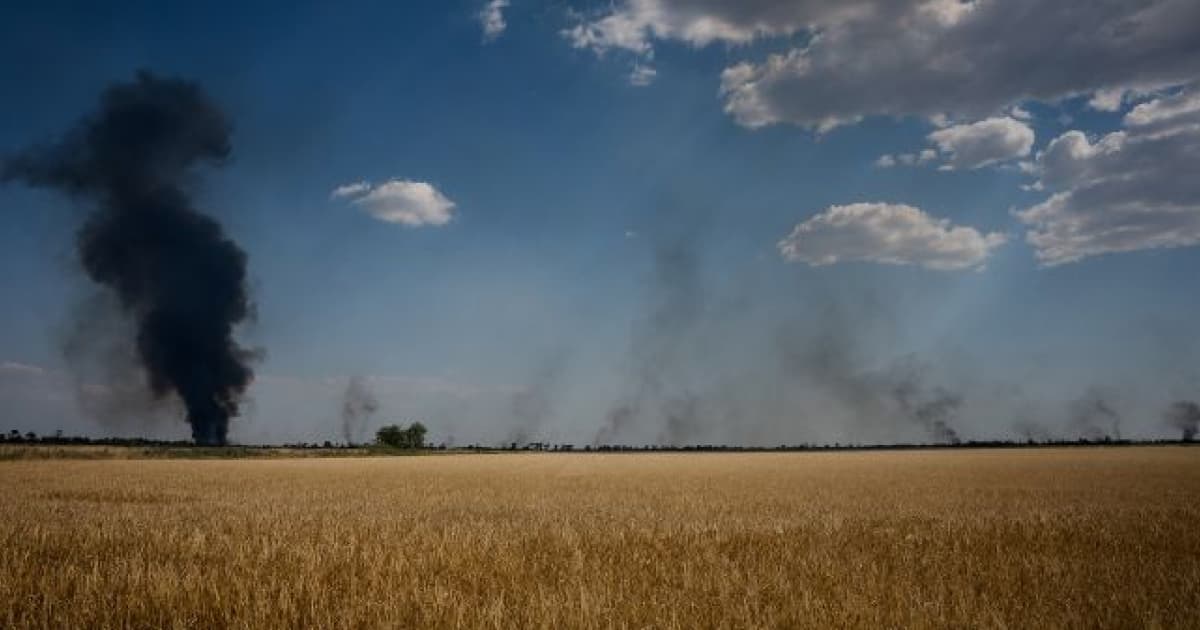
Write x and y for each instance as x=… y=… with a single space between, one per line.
x=1079 y=537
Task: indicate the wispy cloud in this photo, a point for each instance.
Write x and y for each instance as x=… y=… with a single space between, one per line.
x=491 y=18
x=642 y=75
x=13 y=367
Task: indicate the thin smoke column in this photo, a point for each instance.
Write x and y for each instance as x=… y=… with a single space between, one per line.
x=358 y=405
x=1091 y=413
x=659 y=347
x=172 y=268
x=1185 y=416
x=933 y=411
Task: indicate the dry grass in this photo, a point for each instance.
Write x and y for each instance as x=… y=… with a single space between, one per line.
x=1045 y=538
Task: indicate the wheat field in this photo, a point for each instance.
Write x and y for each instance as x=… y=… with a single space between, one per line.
x=1096 y=537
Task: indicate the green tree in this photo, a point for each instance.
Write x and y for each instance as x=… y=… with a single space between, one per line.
x=395 y=436
x=389 y=435
x=415 y=435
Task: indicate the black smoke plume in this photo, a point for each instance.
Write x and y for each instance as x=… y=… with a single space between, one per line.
x=1185 y=416
x=358 y=405
x=172 y=269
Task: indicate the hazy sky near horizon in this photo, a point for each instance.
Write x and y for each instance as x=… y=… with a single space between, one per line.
x=652 y=220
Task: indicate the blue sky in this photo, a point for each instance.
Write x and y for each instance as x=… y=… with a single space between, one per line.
x=511 y=276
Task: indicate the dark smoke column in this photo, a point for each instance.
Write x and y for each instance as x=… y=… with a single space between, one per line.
x=172 y=268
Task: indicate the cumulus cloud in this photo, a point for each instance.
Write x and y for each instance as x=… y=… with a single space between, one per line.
x=491 y=18
x=968 y=58
x=982 y=143
x=408 y=203
x=1129 y=190
x=892 y=234
x=634 y=24
x=1168 y=115
x=909 y=60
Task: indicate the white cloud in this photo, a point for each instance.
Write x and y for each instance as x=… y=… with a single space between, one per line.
x=408 y=203
x=618 y=30
x=1168 y=115
x=1109 y=100
x=982 y=143
x=892 y=234
x=1129 y=190
x=491 y=18
x=633 y=24
x=642 y=75
x=350 y=190
x=971 y=59
x=906 y=159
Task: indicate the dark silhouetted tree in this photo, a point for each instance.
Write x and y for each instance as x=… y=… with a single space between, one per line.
x=415 y=434
x=395 y=436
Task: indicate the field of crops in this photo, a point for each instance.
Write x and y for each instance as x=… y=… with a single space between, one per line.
x=1084 y=537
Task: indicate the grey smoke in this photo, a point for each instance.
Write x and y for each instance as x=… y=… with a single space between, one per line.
x=109 y=383
x=1093 y=417
x=358 y=405
x=1184 y=416
x=532 y=407
x=827 y=359
x=932 y=409
x=1032 y=431
x=657 y=401
x=705 y=364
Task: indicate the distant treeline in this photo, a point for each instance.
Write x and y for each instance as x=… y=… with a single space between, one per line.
x=58 y=439
x=720 y=448
x=412 y=438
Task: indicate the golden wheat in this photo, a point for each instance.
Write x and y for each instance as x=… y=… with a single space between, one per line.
x=1032 y=538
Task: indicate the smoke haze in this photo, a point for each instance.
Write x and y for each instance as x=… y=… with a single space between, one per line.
x=716 y=348
x=532 y=407
x=1184 y=416
x=708 y=363
x=1093 y=417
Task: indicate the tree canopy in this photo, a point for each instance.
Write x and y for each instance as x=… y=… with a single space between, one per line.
x=396 y=436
